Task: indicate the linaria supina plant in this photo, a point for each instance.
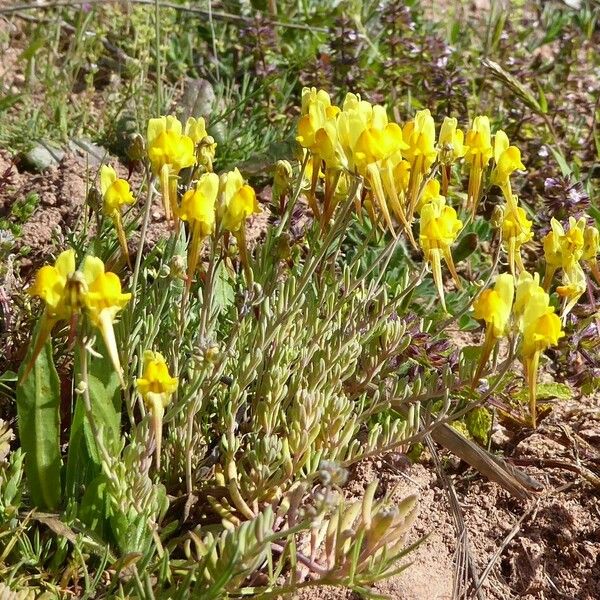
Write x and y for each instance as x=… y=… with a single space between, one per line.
x=230 y=389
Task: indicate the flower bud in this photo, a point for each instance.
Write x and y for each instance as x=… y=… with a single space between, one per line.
x=94 y=199
x=206 y=152
x=497 y=216
x=136 y=149
x=282 y=176
x=81 y=387
x=177 y=267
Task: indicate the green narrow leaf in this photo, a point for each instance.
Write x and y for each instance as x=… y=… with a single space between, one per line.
x=562 y=163
x=38 y=404
x=513 y=84
x=9 y=100
x=543 y=101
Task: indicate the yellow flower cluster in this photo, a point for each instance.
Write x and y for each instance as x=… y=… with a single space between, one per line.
x=213 y=203
x=534 y=319
x=566 y=250
x=399 y=166
x=172 y=148
x=66 y=291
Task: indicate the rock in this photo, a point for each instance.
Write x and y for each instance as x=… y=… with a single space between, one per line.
x=198 y=99
x=39 y=159
x=93 y=154
x=218 y=131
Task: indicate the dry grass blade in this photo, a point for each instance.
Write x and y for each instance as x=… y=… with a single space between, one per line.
x=511 y=82
x=465 y=568
x=505 y=542
x=515 y=482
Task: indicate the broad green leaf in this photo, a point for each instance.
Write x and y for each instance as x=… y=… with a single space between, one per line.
x=479 y=424
x=38 y=404
x=94 y=509
x=546 y=391
x=223 y=294
x=83 y=463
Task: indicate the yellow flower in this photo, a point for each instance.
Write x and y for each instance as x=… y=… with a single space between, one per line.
x=316 y=127
x=516 y=231
x=573 y=287
x=371 y=146
x=541 y=330
x=494 y=307
x=237 y=201
x=195 y=129
x=451 y=148
x=198 y=208
x=311 y=95
x=528 y=292
x=52 y=286
x=573 y=241
x=169 y=151
x=115 y=193
x=198 y=204
x=450 y=141
x=65 y=291
x=431 y=190
x=156 y=378
x=591 y=248
x=478 y=142
x=376 y=144
x=591 y=243
x=508 y=160
x=62 y=292
x=167 y=145
x=421 y=153
x=563 y=248
x=419 y=134
x=317 y=132
x=156 y=387
x=103 y=300
x=355 y=117
x=438 y=229
x=540 y=327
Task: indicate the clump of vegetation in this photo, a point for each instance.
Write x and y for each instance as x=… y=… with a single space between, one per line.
x=189 y=413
